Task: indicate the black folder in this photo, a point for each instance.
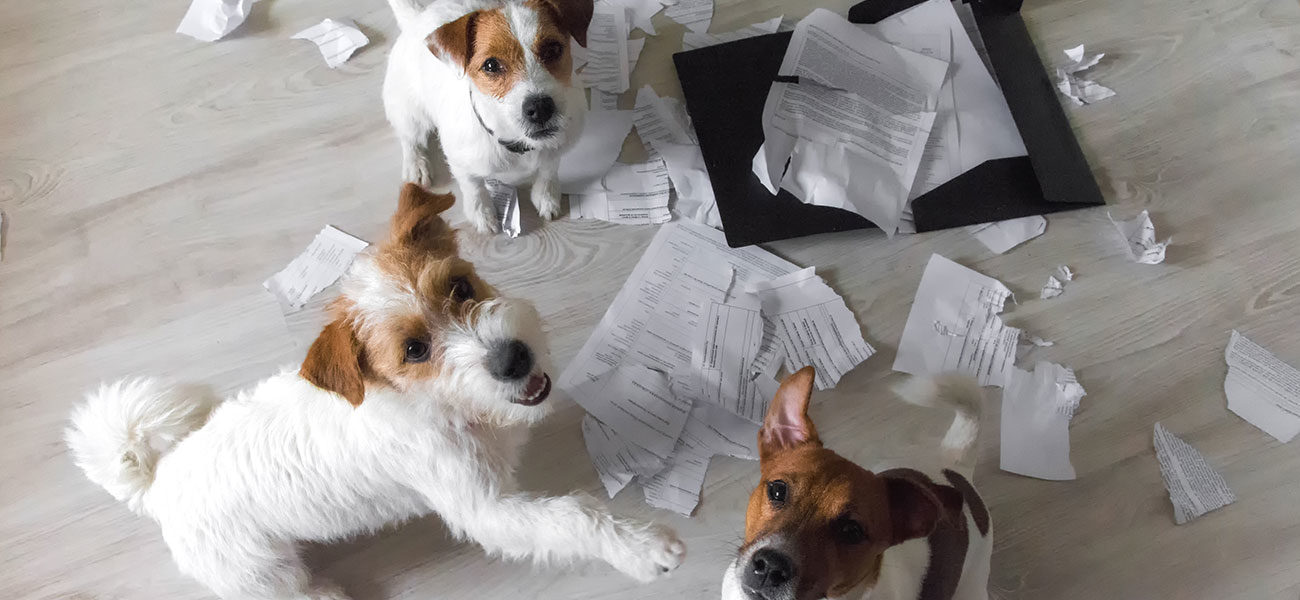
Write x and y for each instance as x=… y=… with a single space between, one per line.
x=726 y=85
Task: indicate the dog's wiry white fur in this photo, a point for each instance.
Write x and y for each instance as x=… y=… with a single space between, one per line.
x=426 y=96
x=236 y=485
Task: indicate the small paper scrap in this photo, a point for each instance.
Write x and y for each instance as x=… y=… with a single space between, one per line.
x=661 y=120
x=692 y=40
x=617 y=462
x=337 y=40
x=211 y=20
x=710 y=431
x=1001 y=236
x=694 y=14
x=1081 y=91
x=1036 y=412
x=505 y=198
x=629 y=194
x=584 y=164
x=607 y=50
x=1262 y=389
x=1055 y=285
x=318 y=267
x=690 y=178
x=637 y=403
x=1140 y=239
x=1195 y=488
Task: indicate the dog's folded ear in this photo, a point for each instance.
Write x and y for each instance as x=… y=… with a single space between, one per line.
x=333 y=362
x=454 y=41
x=787 y=424
x=918 y=505
x=573 y=16
x=418 y=220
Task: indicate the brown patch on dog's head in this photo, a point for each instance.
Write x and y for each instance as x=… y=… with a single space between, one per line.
x=483 y=45
x=396 y=303
x=570 y=17
x=826 y=520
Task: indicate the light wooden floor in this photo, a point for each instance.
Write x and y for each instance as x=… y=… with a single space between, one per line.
x=151 y=183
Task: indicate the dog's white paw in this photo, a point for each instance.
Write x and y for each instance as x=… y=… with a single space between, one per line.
x=418 y=172
x=483 y=218
x=548 y=206
x=648 y=552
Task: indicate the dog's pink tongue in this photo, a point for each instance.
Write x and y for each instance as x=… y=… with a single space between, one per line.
x=535 y=385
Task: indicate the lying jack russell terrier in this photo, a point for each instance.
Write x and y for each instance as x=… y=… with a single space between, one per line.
x=819 y=526
x=492 y=80
x=415 y=399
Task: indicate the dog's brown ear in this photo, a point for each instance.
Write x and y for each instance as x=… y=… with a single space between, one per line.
x=333 y=362
x=787 y=424
x=454 y=41
x=917 y=506
x=573 y=16
x=418 y=220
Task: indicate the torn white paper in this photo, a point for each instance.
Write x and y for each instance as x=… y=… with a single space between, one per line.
x=579 y=54
x=1262 y=389
x=1195 y=488
x=1055 y=285
x=630 y=194
x=639 y=13
x=337 y=40
x=636 y=402
x=607 y=49
x=954 y=325
x=661 y=120
x=709 y=431
x=858 y=120
x=1001 y=236
x=813 y=326
x=634 y=48
x=505 y=198
x=1081 y=91
x=967 y=17
x=318 y=267
x=692 y=40
x=694 y=14
x=616 y=461
x=1036 y=412
x=1140 y=239
x=211 y=20
x=590 y=158
x=601 y=100
x=729 y=338
x=694 y=190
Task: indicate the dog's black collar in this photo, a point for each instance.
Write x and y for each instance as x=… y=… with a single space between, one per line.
x=516 y=146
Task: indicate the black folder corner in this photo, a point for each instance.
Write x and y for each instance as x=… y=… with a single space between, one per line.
x=725 y=86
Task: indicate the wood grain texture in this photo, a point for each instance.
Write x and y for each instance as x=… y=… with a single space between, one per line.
x=150 y=183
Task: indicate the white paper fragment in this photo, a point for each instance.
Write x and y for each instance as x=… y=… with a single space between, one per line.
x=636 y=402
x=590 y=158
x=728 y=342
x=579 y=54
x=607 y=50
x=630 y=194
x=639 y=13
x=690 y=177
x=694 y=14
x=1052 y=288
x=617 y=462
x=505 y=198
x=634 y=48
x=603 y=101
x=954 y=325
x=1195 y=488
x=813 y=327
x=1036 y=412
x=661 y=120
x=318 y=267
x=1001 y=236
x=967 y=16
x=1139 y=236
x=692 y=40
x=211 y=20
x=1262 y=389
x=710 y=431
x=1081 y=91
x=337 y=40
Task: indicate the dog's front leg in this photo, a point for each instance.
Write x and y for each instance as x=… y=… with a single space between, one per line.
x=473 y=195
x=565 y=529
x=546 y=189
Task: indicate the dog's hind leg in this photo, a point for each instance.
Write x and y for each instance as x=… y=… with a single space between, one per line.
x=251 y=570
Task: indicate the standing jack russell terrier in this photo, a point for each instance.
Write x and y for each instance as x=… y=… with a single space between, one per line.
x=414 y=400
x=491 y=79
x=820 y=526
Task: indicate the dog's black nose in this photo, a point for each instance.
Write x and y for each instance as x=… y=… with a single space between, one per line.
x=510 y=360
x=539 y=109
x=769 y=570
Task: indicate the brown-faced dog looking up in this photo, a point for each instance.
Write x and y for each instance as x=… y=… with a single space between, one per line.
x=820 y=526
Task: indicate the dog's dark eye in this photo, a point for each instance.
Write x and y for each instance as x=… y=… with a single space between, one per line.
x=461 y=289
x=551 y=51
x=492 y=65
x=777 y=491
x=848 y=531
x=417 y=351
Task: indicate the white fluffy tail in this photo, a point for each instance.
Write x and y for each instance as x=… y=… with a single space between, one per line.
x=405 y=11
x=118 y=435
x=956 y=391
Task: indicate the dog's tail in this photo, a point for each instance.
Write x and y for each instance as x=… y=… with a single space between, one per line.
x=118 y=435
x=406 y=11
x=959 y=392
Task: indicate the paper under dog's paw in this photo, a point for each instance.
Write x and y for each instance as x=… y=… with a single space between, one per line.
x=649 y=552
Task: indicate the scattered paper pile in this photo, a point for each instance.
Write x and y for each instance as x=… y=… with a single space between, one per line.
x=1195 y=488
x=1081 y=91
x=337 y=40
x=317 y=268
x=682 y=365
x=1262 y=389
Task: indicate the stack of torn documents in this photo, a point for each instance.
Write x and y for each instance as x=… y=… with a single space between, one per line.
x=682 y=366
x=882 y=113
